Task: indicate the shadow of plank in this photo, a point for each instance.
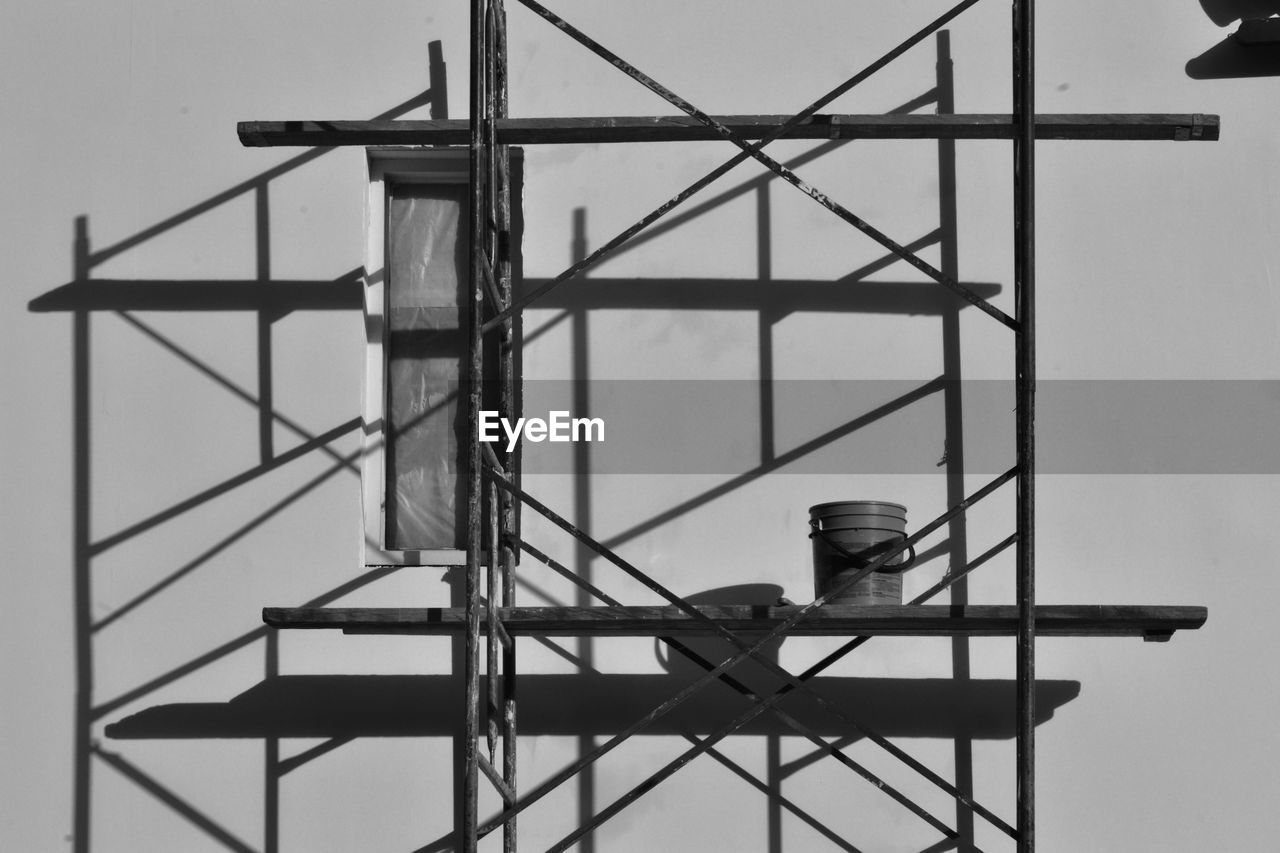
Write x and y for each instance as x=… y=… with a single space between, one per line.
x=276 y=296
x=344 y=706
x=773 y=295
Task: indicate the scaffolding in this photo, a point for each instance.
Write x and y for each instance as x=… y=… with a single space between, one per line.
x=495 y=496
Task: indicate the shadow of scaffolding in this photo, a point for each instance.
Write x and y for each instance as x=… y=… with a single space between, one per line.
x=270 y=299
x=342 y=708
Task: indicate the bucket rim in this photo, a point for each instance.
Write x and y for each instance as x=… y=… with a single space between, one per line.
x=816 y=507
x=897 y=531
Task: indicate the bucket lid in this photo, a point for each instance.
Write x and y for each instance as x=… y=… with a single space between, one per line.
x=857 y=508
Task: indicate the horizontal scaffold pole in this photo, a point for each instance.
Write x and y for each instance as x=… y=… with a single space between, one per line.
x=1054 y=620
x=607 y=129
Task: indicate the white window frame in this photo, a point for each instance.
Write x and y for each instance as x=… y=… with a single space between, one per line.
x=388 y=166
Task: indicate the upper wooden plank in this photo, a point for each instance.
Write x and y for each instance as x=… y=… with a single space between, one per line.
x=1099 y=620
x=591 y=129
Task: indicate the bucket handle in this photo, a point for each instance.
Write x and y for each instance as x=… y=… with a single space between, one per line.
x=858 y=559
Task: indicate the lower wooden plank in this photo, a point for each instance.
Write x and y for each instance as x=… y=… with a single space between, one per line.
x=609 y=129
x=1097 y=620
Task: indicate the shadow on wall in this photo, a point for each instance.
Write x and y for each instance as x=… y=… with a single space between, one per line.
x=271 y=299
x=343 y=707
x=590 y=703
x=584 y=704
x=1253 y=50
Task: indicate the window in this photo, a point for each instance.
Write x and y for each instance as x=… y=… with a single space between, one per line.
x=417 y=320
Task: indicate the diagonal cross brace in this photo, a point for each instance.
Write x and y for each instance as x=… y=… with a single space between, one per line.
x=748 y=649
x=741 y=688
x=609 y=247
x=761 y=706
x=750 y=150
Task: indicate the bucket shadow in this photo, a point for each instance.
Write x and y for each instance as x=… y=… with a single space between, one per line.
x=1224 y=12
x=1252 y=51
x=1229 y=59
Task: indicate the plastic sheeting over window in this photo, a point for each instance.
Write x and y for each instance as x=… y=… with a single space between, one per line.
x=426 y=344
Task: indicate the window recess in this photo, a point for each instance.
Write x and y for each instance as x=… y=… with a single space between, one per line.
x=417 y=262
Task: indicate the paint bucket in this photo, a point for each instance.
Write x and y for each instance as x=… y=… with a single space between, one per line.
x=847 y=536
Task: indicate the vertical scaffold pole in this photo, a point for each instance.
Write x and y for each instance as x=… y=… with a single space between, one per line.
x=953 y=417
x=508 y=404
x=1024 y=299
x=471 y=655
x=81 y=528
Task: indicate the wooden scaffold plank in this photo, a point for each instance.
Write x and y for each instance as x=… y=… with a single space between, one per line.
x=617 y=129
x=1096 y=620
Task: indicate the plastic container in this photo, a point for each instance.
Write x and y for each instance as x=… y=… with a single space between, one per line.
x=847 y=536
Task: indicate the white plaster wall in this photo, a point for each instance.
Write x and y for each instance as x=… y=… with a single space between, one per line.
x=1155 y=263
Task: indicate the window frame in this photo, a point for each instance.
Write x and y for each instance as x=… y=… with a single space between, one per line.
x=388 y=167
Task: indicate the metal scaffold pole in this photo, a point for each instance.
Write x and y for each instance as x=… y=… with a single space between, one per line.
x=475 y=351
x=1024 y=311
